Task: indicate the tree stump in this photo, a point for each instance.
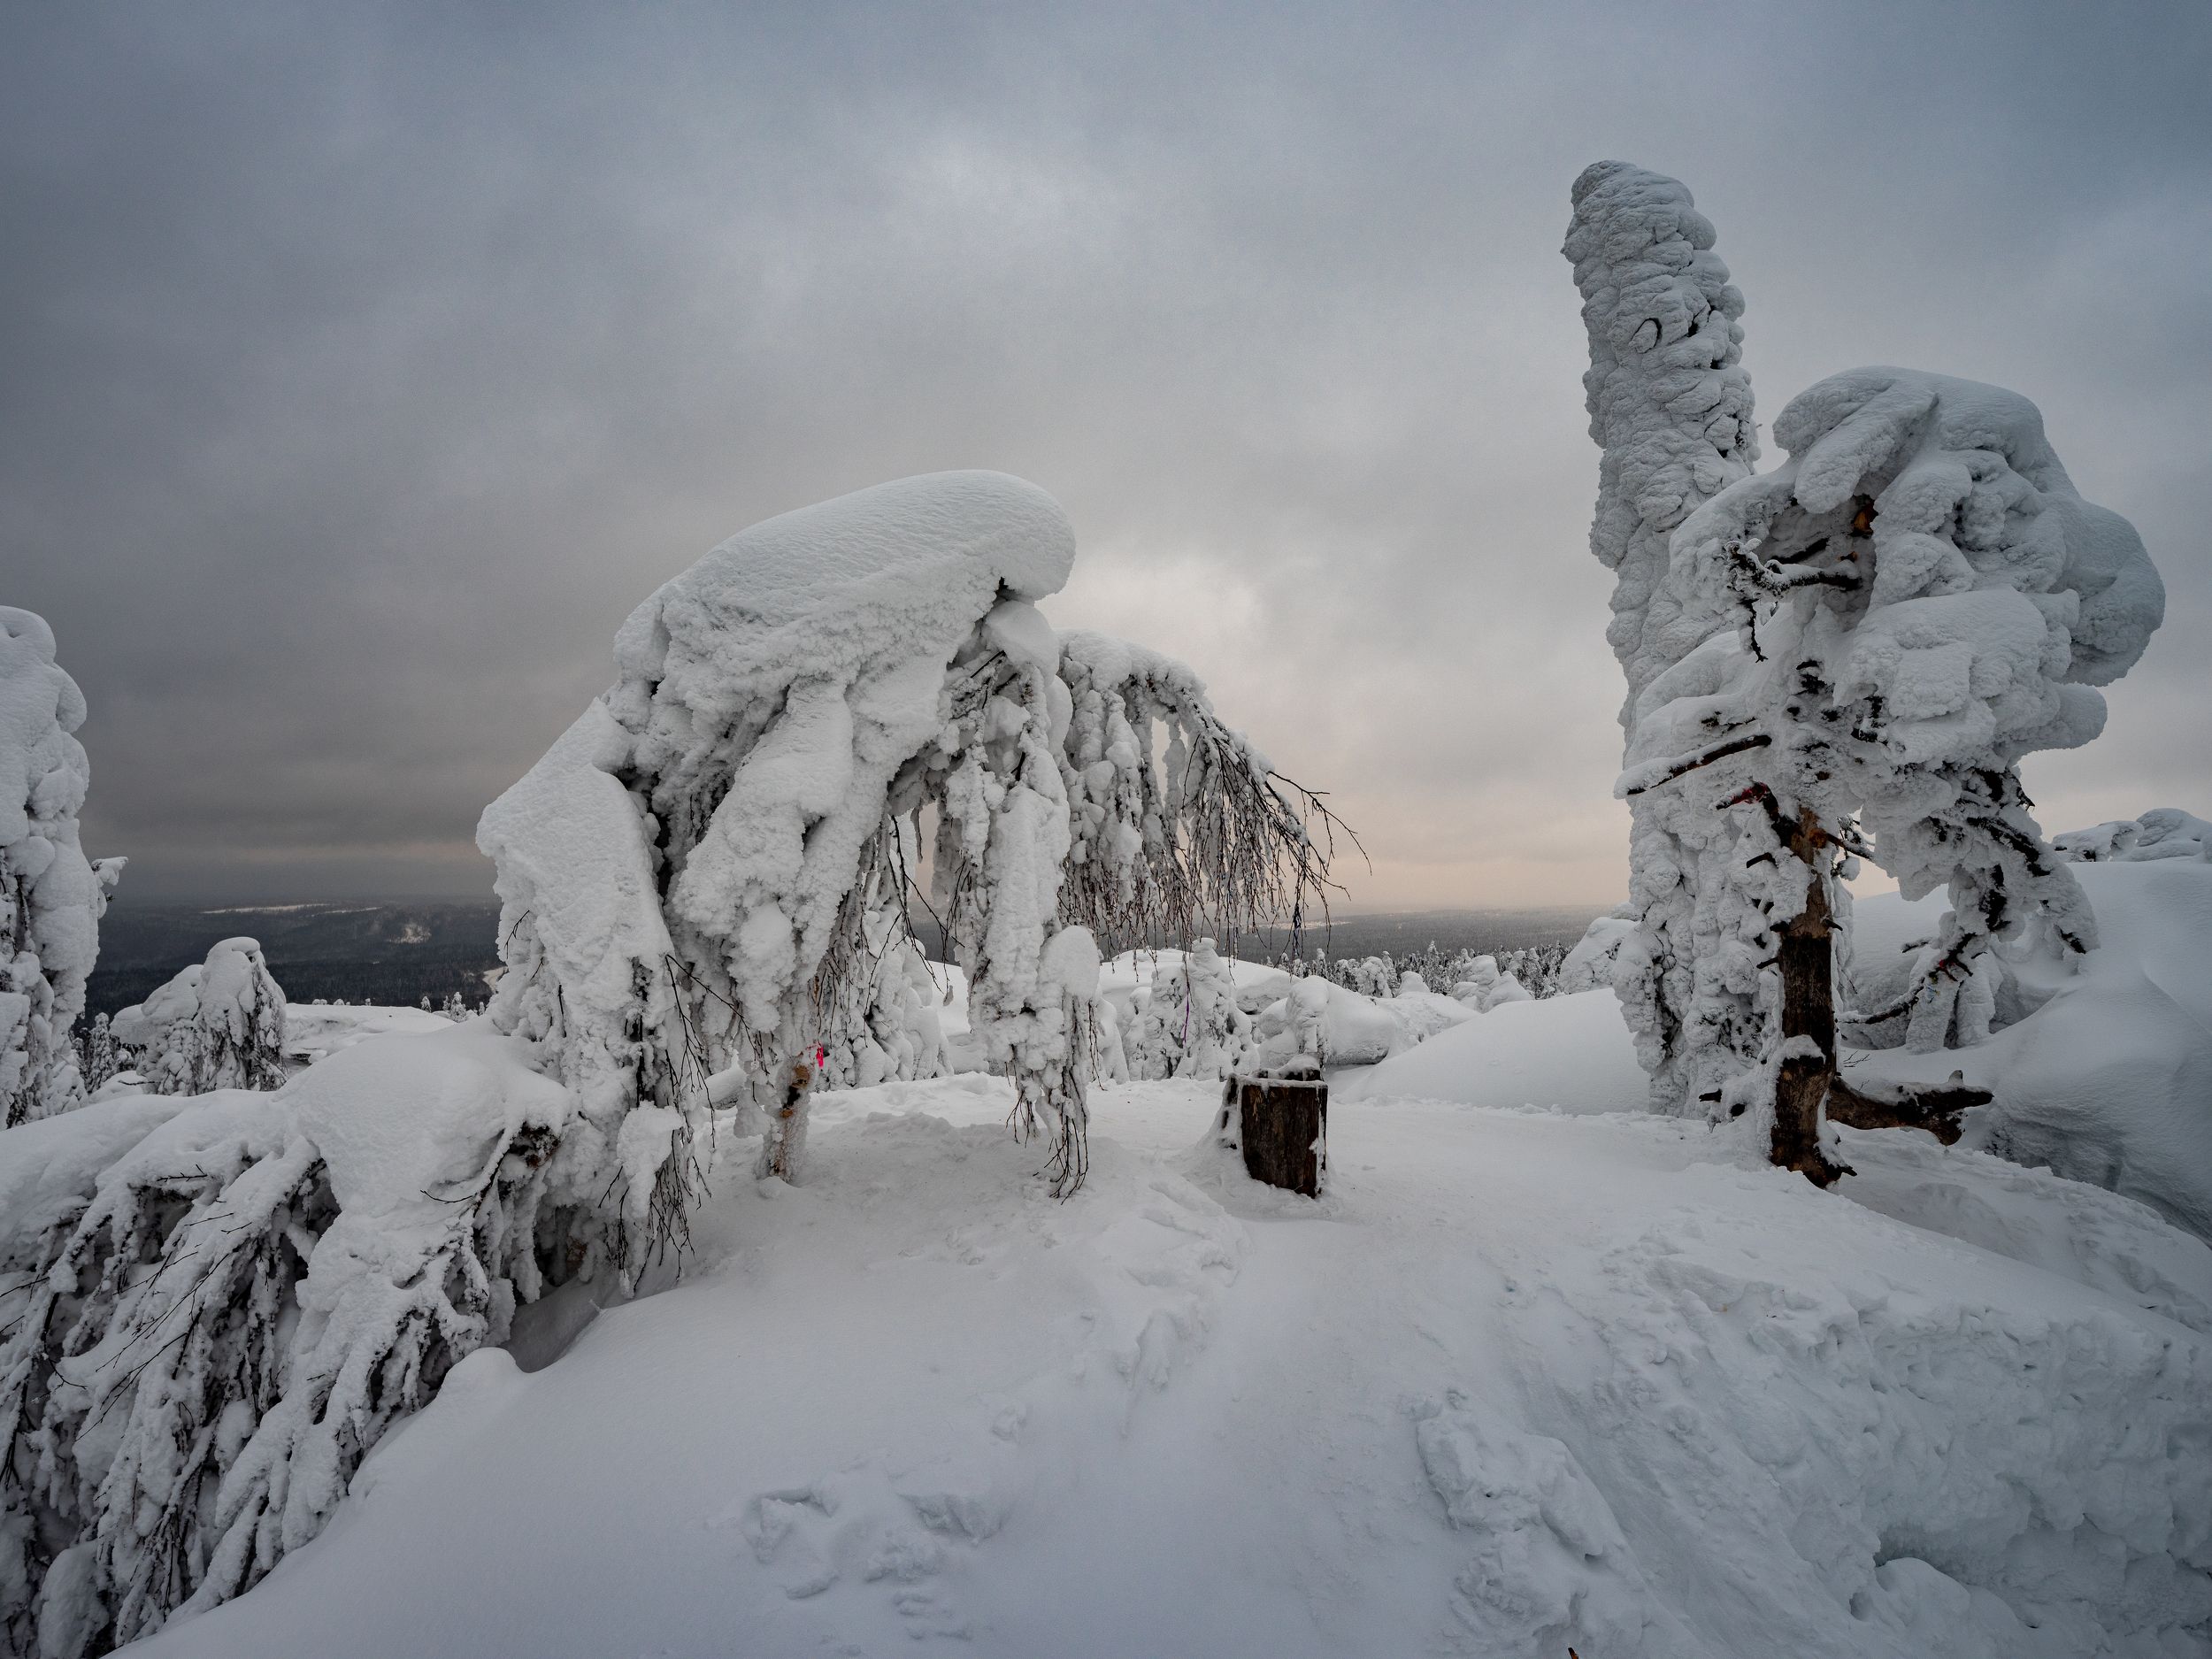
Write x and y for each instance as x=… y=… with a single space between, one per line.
x=1282 y=1124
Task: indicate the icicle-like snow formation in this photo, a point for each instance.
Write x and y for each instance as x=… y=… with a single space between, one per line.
x=1671 y=410
x=217 y=1025
x=50 y=898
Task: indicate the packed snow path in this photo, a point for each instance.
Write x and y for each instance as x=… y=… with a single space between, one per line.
x=1521 y=1380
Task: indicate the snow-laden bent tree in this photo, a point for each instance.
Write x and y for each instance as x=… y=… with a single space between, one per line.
x=1860 y=647
x=51 y=899
x=221 y=1305
x=219 y=1024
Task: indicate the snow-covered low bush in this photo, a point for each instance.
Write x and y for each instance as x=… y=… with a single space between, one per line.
x=2163 y=833
x=219 y=1024
x=50 y=896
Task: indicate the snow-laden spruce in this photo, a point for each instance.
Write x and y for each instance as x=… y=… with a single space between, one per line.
x=50 y=895
x=1860 y=647
x=219 y=1024
x=213 y=1316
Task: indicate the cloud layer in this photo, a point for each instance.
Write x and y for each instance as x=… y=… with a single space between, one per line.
x=360 y=369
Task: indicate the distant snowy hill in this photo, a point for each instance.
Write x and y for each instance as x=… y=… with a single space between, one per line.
x=394 y=952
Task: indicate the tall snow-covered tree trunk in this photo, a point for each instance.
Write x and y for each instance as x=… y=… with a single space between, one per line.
x=1671 y=410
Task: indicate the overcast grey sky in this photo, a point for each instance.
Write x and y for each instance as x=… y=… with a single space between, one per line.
x=360 y=368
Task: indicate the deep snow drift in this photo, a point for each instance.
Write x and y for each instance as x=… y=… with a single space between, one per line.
x=1521 y=1380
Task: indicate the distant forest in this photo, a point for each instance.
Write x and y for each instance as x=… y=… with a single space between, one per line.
x=390 y=952
x=398 y=952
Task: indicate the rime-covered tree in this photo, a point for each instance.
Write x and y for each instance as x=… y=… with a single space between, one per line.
x=1875 y=632
x=1923 y=597
x=1671 y=410
x=219 y=1024
x=51 y=899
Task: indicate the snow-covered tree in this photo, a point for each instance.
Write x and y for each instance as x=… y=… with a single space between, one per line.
x=2160 y=833
x=219 y=1024
x=1924 y=598
x=705 y=886
x=1671 y=410
x=1846 y=656
x=51 y=898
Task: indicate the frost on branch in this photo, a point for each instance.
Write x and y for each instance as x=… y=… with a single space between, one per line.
x=217 y=1025
x=50 y=898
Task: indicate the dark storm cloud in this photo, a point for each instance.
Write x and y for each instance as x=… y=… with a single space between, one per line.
x=363 y=368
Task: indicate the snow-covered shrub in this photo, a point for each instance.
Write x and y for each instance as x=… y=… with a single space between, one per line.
x=99 y=1056
x=2162 y=833
x=1592 y=962
x=1191 y=1025
x=1880 y=628
x=1485 y=986
x=50 y=898
x=218 y=1311
x=219 y=1024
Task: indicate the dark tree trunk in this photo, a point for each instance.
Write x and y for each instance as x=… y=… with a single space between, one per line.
x=1809 y=1011
x=1282 y=1124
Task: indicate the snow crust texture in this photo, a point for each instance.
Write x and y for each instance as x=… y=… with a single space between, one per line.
x=51 y=895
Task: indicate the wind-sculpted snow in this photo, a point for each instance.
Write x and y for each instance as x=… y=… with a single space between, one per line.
x=51 y=895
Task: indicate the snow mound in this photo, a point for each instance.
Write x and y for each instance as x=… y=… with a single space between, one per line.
x=315 y=1031
x=1573 y=1052
x=2108 y=1079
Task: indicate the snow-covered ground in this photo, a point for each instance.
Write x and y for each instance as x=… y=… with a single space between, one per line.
x=1521 y=1380
x=315 y=1031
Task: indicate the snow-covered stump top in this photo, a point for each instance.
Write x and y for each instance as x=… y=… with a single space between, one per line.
x=51 y=898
